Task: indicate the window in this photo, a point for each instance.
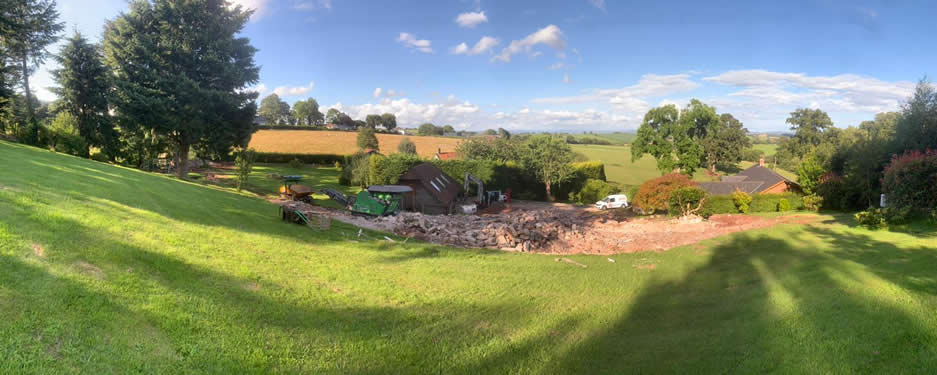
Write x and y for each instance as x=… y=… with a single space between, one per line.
x=434 y=186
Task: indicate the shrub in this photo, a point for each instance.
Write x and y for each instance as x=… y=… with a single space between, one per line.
x=813 y=202
x=784 y=205
x=367 y=138
x=296 y=163
x=688 y=200
x=742 y=200
x=387 y=170
x=581 y=173
x=243 y=163
x=655 y=194
x=910 y=180
x=338 y=165
x=315 y=159
x=99 y=156
x=593 y=191
x=873 y=218
x=64 y=137
x=721 y=204
x=809 y=173
x=406 y=146
x=355 y=170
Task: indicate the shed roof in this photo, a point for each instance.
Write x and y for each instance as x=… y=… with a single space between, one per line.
x=753 y=180
x=726 y=187
x=443 y=187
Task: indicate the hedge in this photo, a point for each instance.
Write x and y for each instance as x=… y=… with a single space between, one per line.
x=582 y=172
x=723 y=204
x=319 y=159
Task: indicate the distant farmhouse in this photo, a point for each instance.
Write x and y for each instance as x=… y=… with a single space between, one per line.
x=754 y=180
x=445 y=155
x=340 y=127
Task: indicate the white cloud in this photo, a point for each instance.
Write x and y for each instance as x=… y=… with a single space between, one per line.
x=293 y=91
x=471 y=19
x=377 y=92
x=260 y=88
x=260 y=7
x=598 y=4
x=551 y=36
x=410 y=41
x=312 y=4
x=844 y=92
x=485 y=44
x=559 y=65
x=650 y=85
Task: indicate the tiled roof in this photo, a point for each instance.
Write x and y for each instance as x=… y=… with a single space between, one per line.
x=752 y=180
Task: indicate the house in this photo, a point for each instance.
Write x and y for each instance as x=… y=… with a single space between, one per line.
x=434 y=192
x=445 y=155
x=260 y=121
x=755 y=180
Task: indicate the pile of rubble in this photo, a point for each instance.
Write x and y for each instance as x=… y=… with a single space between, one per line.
x=515 y=231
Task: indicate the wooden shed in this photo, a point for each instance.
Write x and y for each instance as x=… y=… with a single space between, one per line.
x=434 y=192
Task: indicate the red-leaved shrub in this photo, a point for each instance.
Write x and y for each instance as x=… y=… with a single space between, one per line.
x=654 y=195
x=911 y=181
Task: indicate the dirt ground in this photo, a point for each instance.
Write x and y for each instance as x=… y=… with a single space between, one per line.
x=587 y=230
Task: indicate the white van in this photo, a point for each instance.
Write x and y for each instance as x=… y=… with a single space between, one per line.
x=612 y=201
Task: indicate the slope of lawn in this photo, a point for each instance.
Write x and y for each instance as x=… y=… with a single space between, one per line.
x=110 y=270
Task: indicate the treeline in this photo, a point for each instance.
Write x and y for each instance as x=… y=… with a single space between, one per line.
x=142 y=92
x=276 y=112
x=850 y=168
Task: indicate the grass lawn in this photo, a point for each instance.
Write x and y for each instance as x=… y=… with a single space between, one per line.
x=619 y=167
x=111 y=270
x=260 y=182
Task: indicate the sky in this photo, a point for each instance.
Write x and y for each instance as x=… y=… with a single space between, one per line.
x=576 y=65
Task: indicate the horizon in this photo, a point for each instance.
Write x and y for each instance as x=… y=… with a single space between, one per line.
x=571 y=67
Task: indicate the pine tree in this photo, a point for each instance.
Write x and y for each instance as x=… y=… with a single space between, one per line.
x=180 y=69
x=30 y=27
x=83 y=90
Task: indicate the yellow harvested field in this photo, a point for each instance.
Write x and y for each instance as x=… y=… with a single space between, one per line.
x=341 y=143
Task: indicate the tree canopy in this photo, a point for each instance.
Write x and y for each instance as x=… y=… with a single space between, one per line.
x=181 y=70
x=406 y=146
x=549 y=157
x=83 y=86
x=367 y=138
x=274 y=110
x=31 y=26
x=306 y=112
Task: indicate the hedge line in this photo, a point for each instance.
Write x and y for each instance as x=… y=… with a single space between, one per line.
x=321 y=159
x=723 y=204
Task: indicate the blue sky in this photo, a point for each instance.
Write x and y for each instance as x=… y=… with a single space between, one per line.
x=578 y=65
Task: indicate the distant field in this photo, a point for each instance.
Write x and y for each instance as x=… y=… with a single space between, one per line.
x=769 y=149
x=341 y=143
x=615 y=138
x=620 y=169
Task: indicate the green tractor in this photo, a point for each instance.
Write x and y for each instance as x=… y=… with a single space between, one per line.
x=380 y=200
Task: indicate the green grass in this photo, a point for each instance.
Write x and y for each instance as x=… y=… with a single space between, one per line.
x=620 y=169
x=142 y=273
x=616 y=138
x=262 y=182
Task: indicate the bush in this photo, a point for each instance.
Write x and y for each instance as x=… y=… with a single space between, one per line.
x=581 y=173
x=338 y=165
x=593 y=191
x=725 y=204
x=742 y=200
x=355 y=170
x=243 y=163
x=99 y=156
x=406 y=146
x=873 y=218
x=387 y=170
x=784 y=205
x=314 y=159
x=721 y=204
x=688 y=200
x=654 y=195
x=911 y=181
x=64 y=137
x=813 y=202
x=296 y=163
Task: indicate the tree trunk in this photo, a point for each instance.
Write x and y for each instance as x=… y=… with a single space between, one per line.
x=181 y=158
x=30 y=113
x=549 y=194
x=712 y=168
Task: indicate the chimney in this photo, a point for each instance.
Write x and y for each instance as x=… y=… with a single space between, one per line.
x=762 y=161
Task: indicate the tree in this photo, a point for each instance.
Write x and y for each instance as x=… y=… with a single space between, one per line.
x=373 y=121
x=243 y=163
x=446 y=129
x=917 y=129
x=389 y=121
x=274 y=110
x=180 y=69
x=83 y=91
x=490 y=132
x=334 y=116
x=655 y=137
x=724 y=144
x=809 y=126
x=406 y=146
x=809 y=173
x=367 y=138
x=306 y=112
x=549 y=158
x=429 y=129
x=504 y=133
x=32 y=25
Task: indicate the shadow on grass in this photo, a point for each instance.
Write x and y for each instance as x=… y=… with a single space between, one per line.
x=764 y=304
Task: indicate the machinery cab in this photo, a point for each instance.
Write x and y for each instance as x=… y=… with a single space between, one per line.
x=380 y=200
